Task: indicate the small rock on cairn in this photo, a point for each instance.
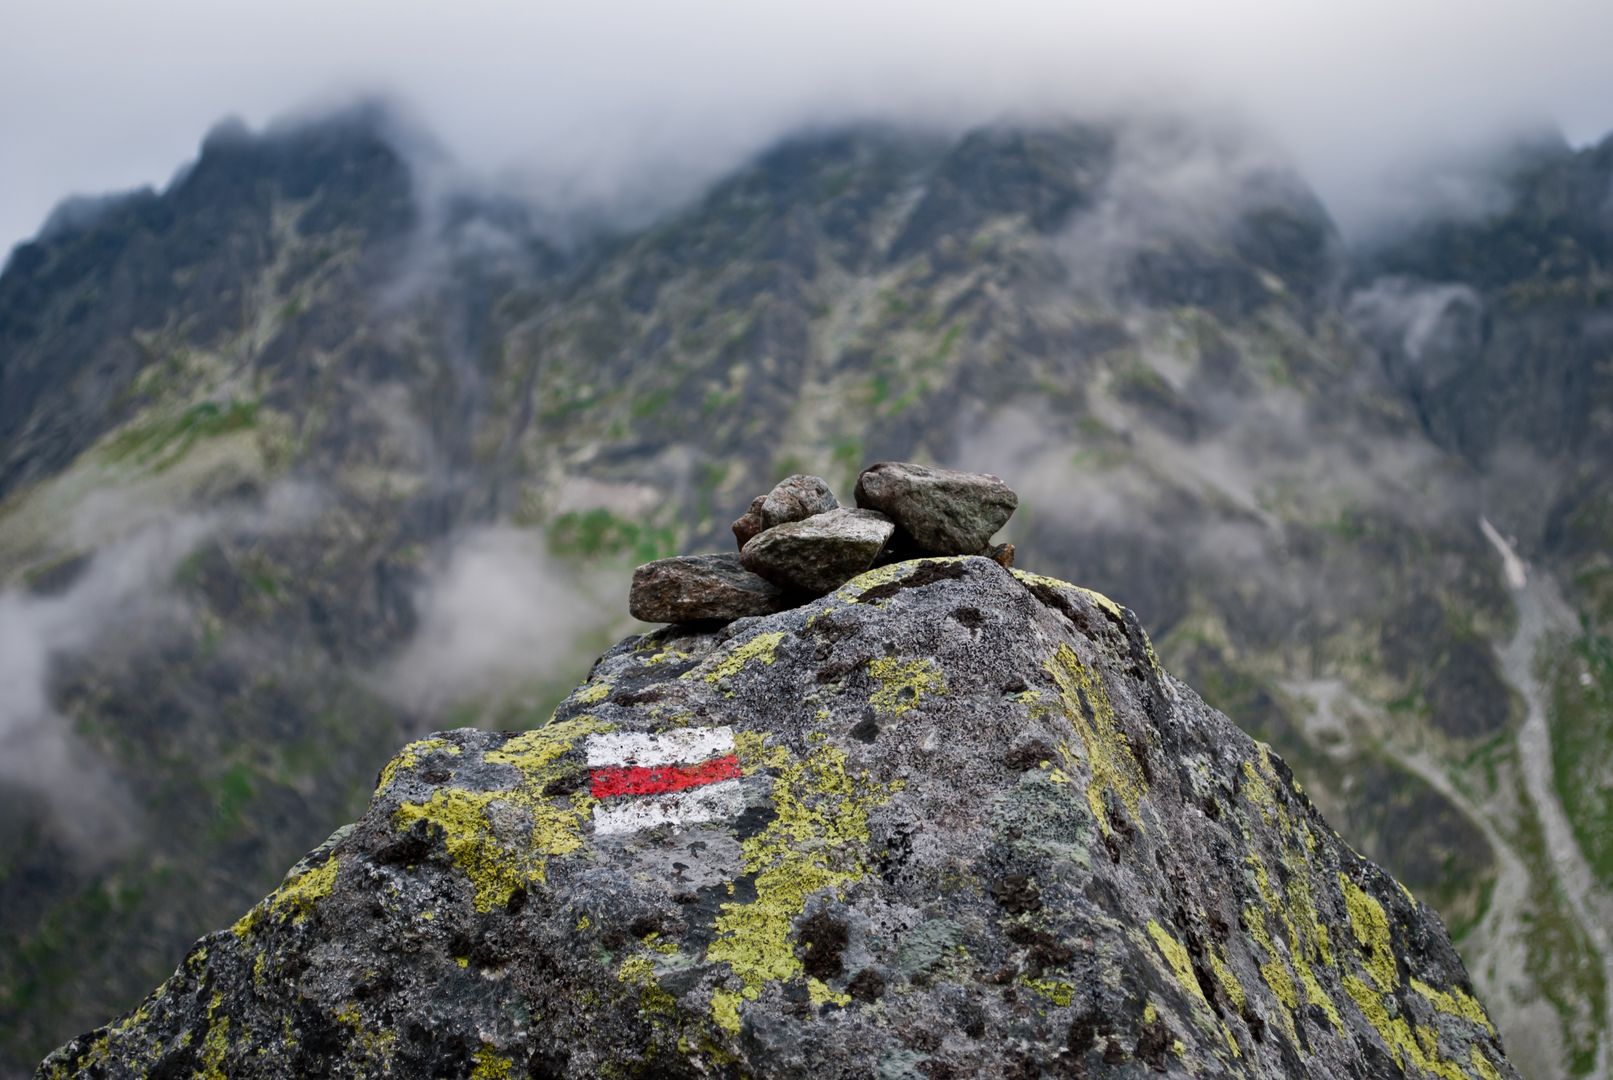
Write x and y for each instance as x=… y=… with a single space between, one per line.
x=797 y=542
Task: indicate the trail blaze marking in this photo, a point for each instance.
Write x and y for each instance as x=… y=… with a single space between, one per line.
x=682 y=777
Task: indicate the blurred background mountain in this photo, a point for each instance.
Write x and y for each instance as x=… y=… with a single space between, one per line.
x=306 y=454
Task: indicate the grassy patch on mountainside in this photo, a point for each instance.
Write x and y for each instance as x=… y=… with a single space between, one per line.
x=598 y=532
x=162 y=442
x=1560 y=961
x=1581 y=731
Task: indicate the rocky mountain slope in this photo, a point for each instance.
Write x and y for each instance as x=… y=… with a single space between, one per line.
x=971 y=829
x=274 y=439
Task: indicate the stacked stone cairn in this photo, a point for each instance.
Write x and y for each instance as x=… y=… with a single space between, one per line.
x=797 y=543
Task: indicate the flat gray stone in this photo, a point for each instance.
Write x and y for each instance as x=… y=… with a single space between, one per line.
x=795 y=498
x=944 y=512
x=700 y=588
x=819 y=553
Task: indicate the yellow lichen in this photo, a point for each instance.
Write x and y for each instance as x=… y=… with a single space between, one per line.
x=901 y=683
x=1175 y=954
x=1418 y=1045
x=854 y=590
x=639 y=971
x=1397 y=1033
x=376 y=1046
x=1057 y=991
x=821 y=993
x=725 y=1010
x=1110 y=759
x=496 y=866
x=409 y=757
x=491 y=1065
x=1481 y=1065
x=1109 y=607
x=1454 y=1002
x=1371 y=928
x=1259 y=793
x=762 y=649
x=1227 y=978
x=216 y=1043
x=1181 y=965
x=813 y=844
x=297 y=896
x=1273 y=971
x=1301 y=934
x=592 y=695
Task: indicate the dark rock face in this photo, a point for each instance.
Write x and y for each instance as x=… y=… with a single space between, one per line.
x=818 y=553
x=950 y=820
x=696 y=588
x=941 y=510
x=796 y=497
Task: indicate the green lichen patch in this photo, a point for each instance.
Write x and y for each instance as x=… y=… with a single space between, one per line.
x=816 y=843
x=409 y=758
x=760 y=650
x=1371 y=928
x=1110 y=759
x=901 y=684
x=497 y=865
x=1108 y=606
x=296 y=898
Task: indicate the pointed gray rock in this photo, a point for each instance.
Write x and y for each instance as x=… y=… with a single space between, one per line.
x=943 y=511
x=701 y=588
x=819 y=553
x=795 y=498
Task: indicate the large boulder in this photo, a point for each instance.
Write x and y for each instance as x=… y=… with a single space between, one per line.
x=941 y=511
x=818 y=553
x=700 y=588
x=948 y=821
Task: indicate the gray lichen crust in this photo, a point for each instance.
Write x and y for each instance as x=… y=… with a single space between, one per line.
x=975 y=831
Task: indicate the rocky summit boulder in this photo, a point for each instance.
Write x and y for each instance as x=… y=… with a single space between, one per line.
x=795 y=498
x=700 y=588
x=819 y=553
x=942 y=512
x=950 y=820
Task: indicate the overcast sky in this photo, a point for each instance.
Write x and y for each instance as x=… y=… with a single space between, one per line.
x=604 y=99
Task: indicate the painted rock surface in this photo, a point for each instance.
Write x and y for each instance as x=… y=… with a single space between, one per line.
x=948 y=821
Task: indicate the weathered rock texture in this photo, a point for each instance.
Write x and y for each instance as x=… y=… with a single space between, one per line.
x=797 y=497
x=979 y=833
x=697 y=588
x=942 y=511
x=819 y=553
x=749 y=523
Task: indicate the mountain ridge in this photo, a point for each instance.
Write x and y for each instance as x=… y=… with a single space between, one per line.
x=1215 y=415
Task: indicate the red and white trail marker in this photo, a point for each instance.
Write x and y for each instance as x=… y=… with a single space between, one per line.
x=681 y=777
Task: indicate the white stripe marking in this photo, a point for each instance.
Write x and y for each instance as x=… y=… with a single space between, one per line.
x=681 y=745
x=681 y=808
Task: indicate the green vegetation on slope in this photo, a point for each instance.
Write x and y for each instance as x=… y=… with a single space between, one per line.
x=1581 y=732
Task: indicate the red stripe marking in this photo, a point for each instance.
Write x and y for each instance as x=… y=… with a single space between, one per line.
x=655 y=779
